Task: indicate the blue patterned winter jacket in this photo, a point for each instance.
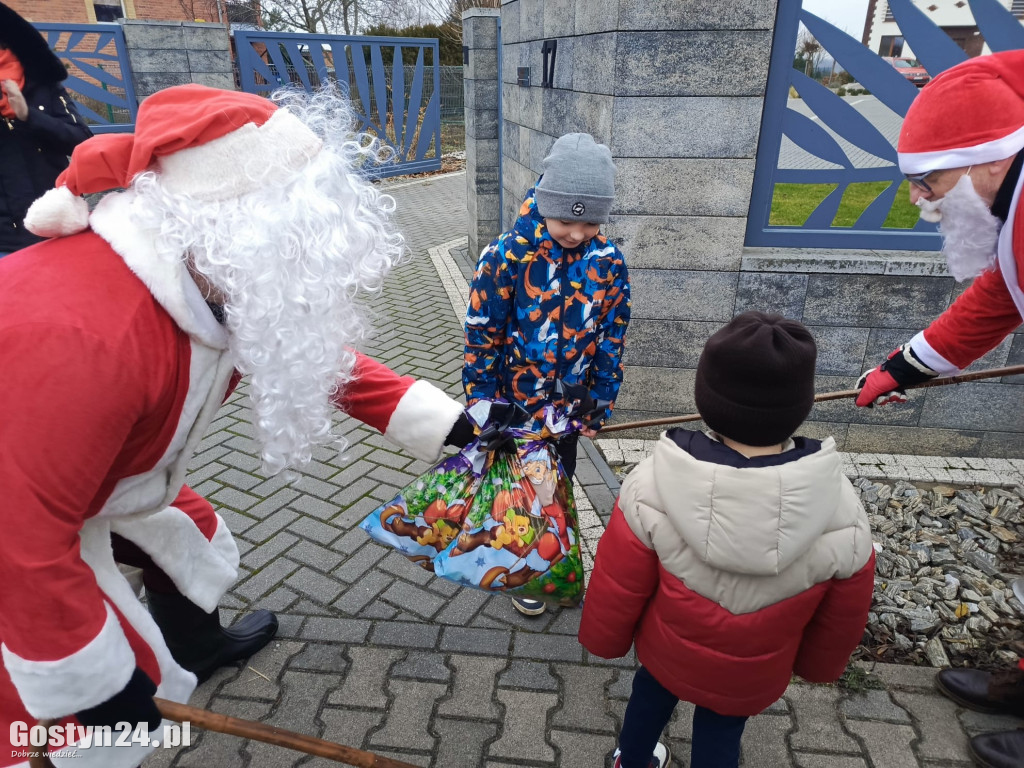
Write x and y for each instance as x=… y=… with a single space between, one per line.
x=538 y=314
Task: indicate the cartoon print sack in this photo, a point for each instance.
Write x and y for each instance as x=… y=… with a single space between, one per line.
x=498 y=516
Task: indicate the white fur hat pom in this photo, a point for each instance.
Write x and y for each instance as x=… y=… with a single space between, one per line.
x=58 y=213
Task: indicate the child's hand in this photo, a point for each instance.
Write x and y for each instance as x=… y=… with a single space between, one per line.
x=588 y=432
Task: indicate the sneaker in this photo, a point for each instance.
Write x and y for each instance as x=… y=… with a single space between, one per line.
x=528 y=607
x=660 y=758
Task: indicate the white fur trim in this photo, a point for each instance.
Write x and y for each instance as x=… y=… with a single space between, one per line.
x=926 y=354
x=242 y=161
x=422 y=420
x=202 y=569
x=94 y=673
x=167 y=279
x=997 y=149
x=58 y=213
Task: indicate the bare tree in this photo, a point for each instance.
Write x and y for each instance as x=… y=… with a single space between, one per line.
x=448 y=13
x=316 y=16
x=811 y=51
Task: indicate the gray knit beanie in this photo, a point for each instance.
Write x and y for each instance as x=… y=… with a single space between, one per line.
x=578 y=182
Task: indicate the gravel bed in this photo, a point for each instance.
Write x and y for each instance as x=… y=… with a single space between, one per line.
x=946 y=560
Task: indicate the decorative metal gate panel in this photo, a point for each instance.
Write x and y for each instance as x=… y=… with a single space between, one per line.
x=99 y=76
x=834 y=144
x=393 y=84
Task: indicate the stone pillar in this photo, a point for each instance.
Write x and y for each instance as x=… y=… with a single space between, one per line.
x=166 y=53
x=675 y=89
x=480 y=80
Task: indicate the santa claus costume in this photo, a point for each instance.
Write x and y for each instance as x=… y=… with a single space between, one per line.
x=969 y=120
x=968 y=115
x=120 y=339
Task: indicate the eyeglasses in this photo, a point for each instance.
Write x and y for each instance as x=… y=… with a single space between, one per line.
x=918 y=180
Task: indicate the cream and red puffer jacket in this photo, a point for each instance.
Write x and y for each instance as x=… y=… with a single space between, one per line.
x=732 y=578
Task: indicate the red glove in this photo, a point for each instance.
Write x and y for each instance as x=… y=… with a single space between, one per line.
x=885 y=383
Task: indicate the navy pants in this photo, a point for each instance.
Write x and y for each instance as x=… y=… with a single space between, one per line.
x=716 y=738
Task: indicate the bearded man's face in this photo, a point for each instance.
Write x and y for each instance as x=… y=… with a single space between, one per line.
x=970 y=232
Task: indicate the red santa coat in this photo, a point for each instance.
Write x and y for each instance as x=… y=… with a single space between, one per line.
x=987 y=311
x=111 y=369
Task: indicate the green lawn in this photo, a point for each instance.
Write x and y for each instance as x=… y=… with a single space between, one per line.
x=793 y=203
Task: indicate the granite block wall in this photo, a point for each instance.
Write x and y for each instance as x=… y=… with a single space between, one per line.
x=675 y=88
x=481 y=93
x=166 y=53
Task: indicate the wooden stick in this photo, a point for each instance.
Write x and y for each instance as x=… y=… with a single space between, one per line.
x=990 y=373
x=269 y=734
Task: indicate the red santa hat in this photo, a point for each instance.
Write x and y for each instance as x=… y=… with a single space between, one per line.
x=972 y=113
x=204 y=142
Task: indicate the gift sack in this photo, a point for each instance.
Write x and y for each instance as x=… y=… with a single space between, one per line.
x=499 y=515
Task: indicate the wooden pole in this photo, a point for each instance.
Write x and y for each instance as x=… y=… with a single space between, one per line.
x=269 y=734
x=990 y=373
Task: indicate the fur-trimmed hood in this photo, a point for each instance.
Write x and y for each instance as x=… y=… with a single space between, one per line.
x=41 y=65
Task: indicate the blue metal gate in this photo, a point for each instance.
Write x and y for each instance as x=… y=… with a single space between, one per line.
x=844 y=147
x=393 y=84
x=99 y=77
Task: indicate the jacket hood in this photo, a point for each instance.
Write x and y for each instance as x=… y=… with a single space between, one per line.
x=754 y=520
x=530 y=224
x=41 y=65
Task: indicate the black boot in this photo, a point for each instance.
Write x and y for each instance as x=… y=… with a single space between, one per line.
x=196 y=639
x=1003 y=749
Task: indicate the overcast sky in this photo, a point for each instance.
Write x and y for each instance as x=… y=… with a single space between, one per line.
x=845 y=14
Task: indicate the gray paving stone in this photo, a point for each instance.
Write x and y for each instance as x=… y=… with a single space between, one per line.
x=978 y=722
x=444 y=587
x=334 y=630
x=303 y=696
x=413 y=599
x=888 y=746
x=529 y=675
x=567 y=622
x=346 y=726
x=405 y=634
x=350 y=542
x=470 y=640
x=817 y=721
x=378 y=611
x=473 y=687
x=521 y=739
x=309 y=528
x=321 y=657
x=552 y=647
x=461 y=743
x=360 y=562
x=406 y=723
x=366 y=677
x=253 y=682
x=399 y=565
x=623 y=685
x=260 y=555
x=320 y=588
x=263 y=581
x=582 y=750
x=273 y=503
x=805 y=760
x=314 y=555
x=873 y=705
x=942 y=738
x=423 y=666
x=583 y=698
x=361 y=593
x=276 y=522
x=764 y=742
x=352 y=492
x=213 y=749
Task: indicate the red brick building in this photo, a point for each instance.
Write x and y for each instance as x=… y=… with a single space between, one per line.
x=92 y=11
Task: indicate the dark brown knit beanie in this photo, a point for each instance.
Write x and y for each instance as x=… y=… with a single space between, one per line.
x=755 y=379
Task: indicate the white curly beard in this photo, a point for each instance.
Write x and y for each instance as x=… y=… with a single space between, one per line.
x=290 y=260
x=970 y=232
